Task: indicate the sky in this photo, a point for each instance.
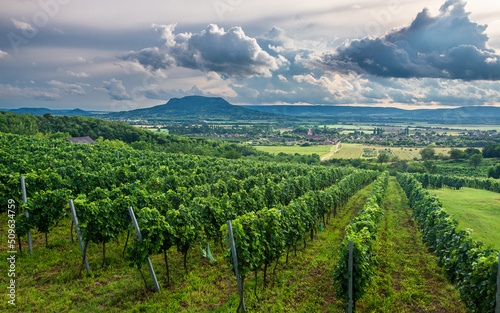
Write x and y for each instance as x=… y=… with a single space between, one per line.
x=119 y=55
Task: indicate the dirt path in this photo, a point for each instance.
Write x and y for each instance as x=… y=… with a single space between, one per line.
x=331 y=153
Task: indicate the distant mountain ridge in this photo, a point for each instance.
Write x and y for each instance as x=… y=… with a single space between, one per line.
x=463 y=114
x=42 y=111
x=195 y=108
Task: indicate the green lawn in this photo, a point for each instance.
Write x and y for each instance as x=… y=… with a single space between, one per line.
x=475 y=209
x=320 y=150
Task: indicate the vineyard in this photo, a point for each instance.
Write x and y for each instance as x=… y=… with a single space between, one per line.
x=292 y=226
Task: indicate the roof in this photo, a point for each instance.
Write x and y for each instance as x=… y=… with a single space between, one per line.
x=85 y=139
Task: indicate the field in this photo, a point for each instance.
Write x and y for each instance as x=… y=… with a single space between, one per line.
x=354 y=151
x=320 y=150
x=475 y=209
x=406 y=153
x=415 y=126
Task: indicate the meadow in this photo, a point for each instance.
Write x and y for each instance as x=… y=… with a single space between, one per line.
x=320 y=150
x=354 y=151
x=476 y=209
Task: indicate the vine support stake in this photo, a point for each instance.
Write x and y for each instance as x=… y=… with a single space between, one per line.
x=235 y=262
x=75 y=221
x=497 y=309
x=139 y=236
x=350 y=266
x=25 y=200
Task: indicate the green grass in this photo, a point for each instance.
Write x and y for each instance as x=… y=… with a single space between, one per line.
x=475 y=209
x=320 y=150
x=409 y=279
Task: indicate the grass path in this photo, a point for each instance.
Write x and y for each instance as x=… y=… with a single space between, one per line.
x=409 y=280
x=305 y=284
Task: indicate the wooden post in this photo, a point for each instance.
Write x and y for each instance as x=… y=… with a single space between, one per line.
x=139 y=236
x=75 y=221
x=497 y=309
x=235 y=262
x=350 y=278
x=23 y=188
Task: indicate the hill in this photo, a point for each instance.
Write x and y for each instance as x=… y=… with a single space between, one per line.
x=458 y=115
x=42 y=111
x=192 y=108
x=81 y=126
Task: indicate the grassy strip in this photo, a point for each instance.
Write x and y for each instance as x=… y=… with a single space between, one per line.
x=409 y=279
x=362 y=232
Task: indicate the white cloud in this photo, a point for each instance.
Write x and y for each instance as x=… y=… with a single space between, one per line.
x=116 y=90
x=22 y=25
x=228 y=53
x=76 y=74
x=3 y=54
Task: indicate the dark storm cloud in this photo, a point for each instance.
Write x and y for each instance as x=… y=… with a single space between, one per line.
x=448 y=45
x=229 y=53
x=150 y=58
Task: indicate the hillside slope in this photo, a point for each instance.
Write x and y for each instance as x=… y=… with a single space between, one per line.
x=195 y=108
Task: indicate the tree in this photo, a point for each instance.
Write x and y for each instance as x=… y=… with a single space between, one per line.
x=427 y=153
x=383 y=158
x=492 y=151
x=395 y=159
x=430 y=166
x=472 y=151
x=415 y=167
x=494 y=171
x=456 y=154
x=475 y=160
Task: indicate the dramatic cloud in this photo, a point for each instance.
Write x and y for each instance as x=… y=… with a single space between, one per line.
x=267 y=53
x=116 y=90
x=448 y=45
x=150 y=58
x=228 y=53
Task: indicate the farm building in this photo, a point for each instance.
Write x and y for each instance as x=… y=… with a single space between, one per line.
x=85 y=139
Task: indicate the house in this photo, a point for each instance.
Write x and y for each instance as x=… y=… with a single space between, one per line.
x=85 y=139
x=315 y=137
